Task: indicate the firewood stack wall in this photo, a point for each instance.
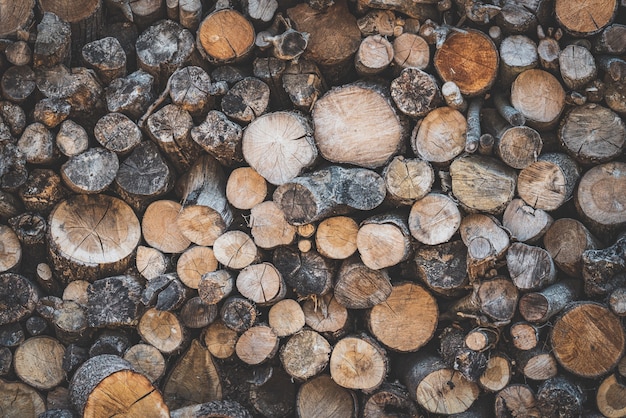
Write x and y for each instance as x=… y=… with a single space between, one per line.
x=331 y=208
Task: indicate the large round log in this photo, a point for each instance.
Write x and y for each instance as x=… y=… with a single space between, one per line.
x=92 y=236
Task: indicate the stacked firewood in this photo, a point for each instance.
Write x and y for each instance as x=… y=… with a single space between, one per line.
x=331 y=208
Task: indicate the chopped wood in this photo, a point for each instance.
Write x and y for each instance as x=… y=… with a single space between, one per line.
x=266 y=198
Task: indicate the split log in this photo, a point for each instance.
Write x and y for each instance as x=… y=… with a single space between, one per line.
x=225 y=36
x=161 y=58
x=486 y=243
x=52 y=46
x=543 y=305
x=327 y=316
x=218 y=136
x=376 y=21
x=303 y=83
x=492 y=302
x=315 y=195
x=322 y=390
x=358 y=362
x=159 y=227
x=170 y=128
x=37 y=144
x=200 y=224
x=107 y=384
x=394 y=323
x=443 y=268
x=72 y=139
x=549 y=182
x=538 y=96
x=279 y=146
x=106 y=57
x=441 y=136
x=599 y=196
x=436 y=388
x=163 y=291
x=205 y=184
x=359 y=287
x=163 y=330
x=51 y=111
x=357 y=124
x=130 y=95
x=306 y=273
x=246 y=100
x=525 y=223
x=434 y=219
x=530 y=267
x=336 y=237
x=215 y=286
x=206 y=386
x=566 y=241
x=482 y=183
x=92 y=236
x=601 y=348
x=457 y=61
x=384 y=241
x=194 y=263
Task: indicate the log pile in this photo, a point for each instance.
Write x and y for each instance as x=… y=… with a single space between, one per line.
x=325 y=208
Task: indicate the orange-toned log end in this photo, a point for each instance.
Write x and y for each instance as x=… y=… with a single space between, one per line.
x=125 y=393
x=470 y=59
x=226 y=36
x=588 y=339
